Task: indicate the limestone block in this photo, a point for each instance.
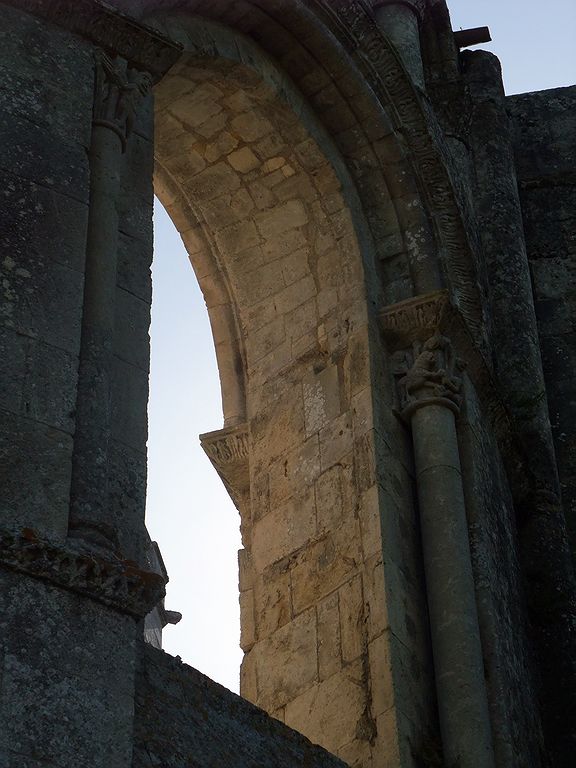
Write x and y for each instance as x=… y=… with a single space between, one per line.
x=243 y=160
x=282 y=218
x=238 y=237
x=228 y=209
x=383 y=693
x=329 y=500
x=272 y=596
x=248 y=683
x=351 y=608
x=278 y=423
x=295 y=294
x=134 y=262
x=298 y=469
x=286 y=664
x=321 y=398
x=301 y=323
x=209 y=183
x=39 y=381
x=222 y=145
x=335 y=440
x=329 y=642
x=370 y=522
x=44 y=455
x=286 y=529
x=193 y=112
x=245 y=570
x=290 y=242
x=247 y=624
x=330 y=712
x=376 y=597
x=129 y=401
x=127 y=497
x=324 y=565
x=259 y=284
x=250 y=126
x=265 y=340
x=132 y=321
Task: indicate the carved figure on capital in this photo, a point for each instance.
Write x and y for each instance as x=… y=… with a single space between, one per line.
x=428 y=373
x=120 y=90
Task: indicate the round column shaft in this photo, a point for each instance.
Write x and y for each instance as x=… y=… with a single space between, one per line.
x=399 y=21
x=458 y=664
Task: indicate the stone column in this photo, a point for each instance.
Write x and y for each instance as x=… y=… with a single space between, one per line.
x=118 y=91
x=400 y=22
x=429 y=401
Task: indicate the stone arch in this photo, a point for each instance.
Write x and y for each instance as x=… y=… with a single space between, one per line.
x=289 y=250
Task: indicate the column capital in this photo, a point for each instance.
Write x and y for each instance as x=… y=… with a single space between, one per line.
x=228 y=451
x=119 y=91
x=425 y=366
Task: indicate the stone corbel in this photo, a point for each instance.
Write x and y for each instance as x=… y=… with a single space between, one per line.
x=227 y=449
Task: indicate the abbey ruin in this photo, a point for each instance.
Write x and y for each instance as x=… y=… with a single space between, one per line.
x=385 y=244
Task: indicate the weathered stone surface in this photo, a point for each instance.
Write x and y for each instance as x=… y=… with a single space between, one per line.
x=184 y=718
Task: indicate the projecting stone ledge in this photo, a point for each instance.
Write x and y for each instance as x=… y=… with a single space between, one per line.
x=185 y=719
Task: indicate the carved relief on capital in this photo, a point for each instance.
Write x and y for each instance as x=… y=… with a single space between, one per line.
x=119 y=91
x=228 y=451
x=428 y=373
x=425 y=366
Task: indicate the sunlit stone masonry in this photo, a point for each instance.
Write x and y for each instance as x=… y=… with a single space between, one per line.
x=385 y=244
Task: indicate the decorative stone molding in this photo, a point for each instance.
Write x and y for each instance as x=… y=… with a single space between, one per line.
x=227 y=449
x=107 y=28
x=352 y=22
x=120 y=585
x=119 y=90
x=415 y=319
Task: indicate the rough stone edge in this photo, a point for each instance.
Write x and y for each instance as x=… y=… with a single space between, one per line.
x=120 y=585
x=142 y=46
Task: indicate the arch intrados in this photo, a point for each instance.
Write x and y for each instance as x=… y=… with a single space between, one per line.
x=236 y=67
x=347 y=53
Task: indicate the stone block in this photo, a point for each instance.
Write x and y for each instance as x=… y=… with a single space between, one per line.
x=325 y=565
x=281 y=219
x=251 y=126
x=329 y=642
x=134 y=263
x=43 y=455
x=331 y=712
x=286 y=529
x=286 y=664
x=127 y=497
x=272 y=596
x=351 y=608
x=336 y=440
x=321 y=398
x=131 y=325
x=209 y=183
x=247 y=623
x=243 y=160
x=297 y=469
x=329 y=500
x=129 y=420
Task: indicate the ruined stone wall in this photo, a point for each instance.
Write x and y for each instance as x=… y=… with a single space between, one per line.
x=183 y=718
x=544 y=127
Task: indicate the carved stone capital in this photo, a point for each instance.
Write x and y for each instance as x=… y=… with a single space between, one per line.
x=428 y=374
x=227 y=449
x=426 y=368
x=416 y=6
x=119 y=90
x=120 y=585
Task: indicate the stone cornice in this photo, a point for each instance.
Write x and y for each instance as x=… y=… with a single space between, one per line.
x=227 y=449
x=119 y=585
x=141 y=46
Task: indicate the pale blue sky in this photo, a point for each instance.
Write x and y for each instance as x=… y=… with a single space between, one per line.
x=189 y=512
